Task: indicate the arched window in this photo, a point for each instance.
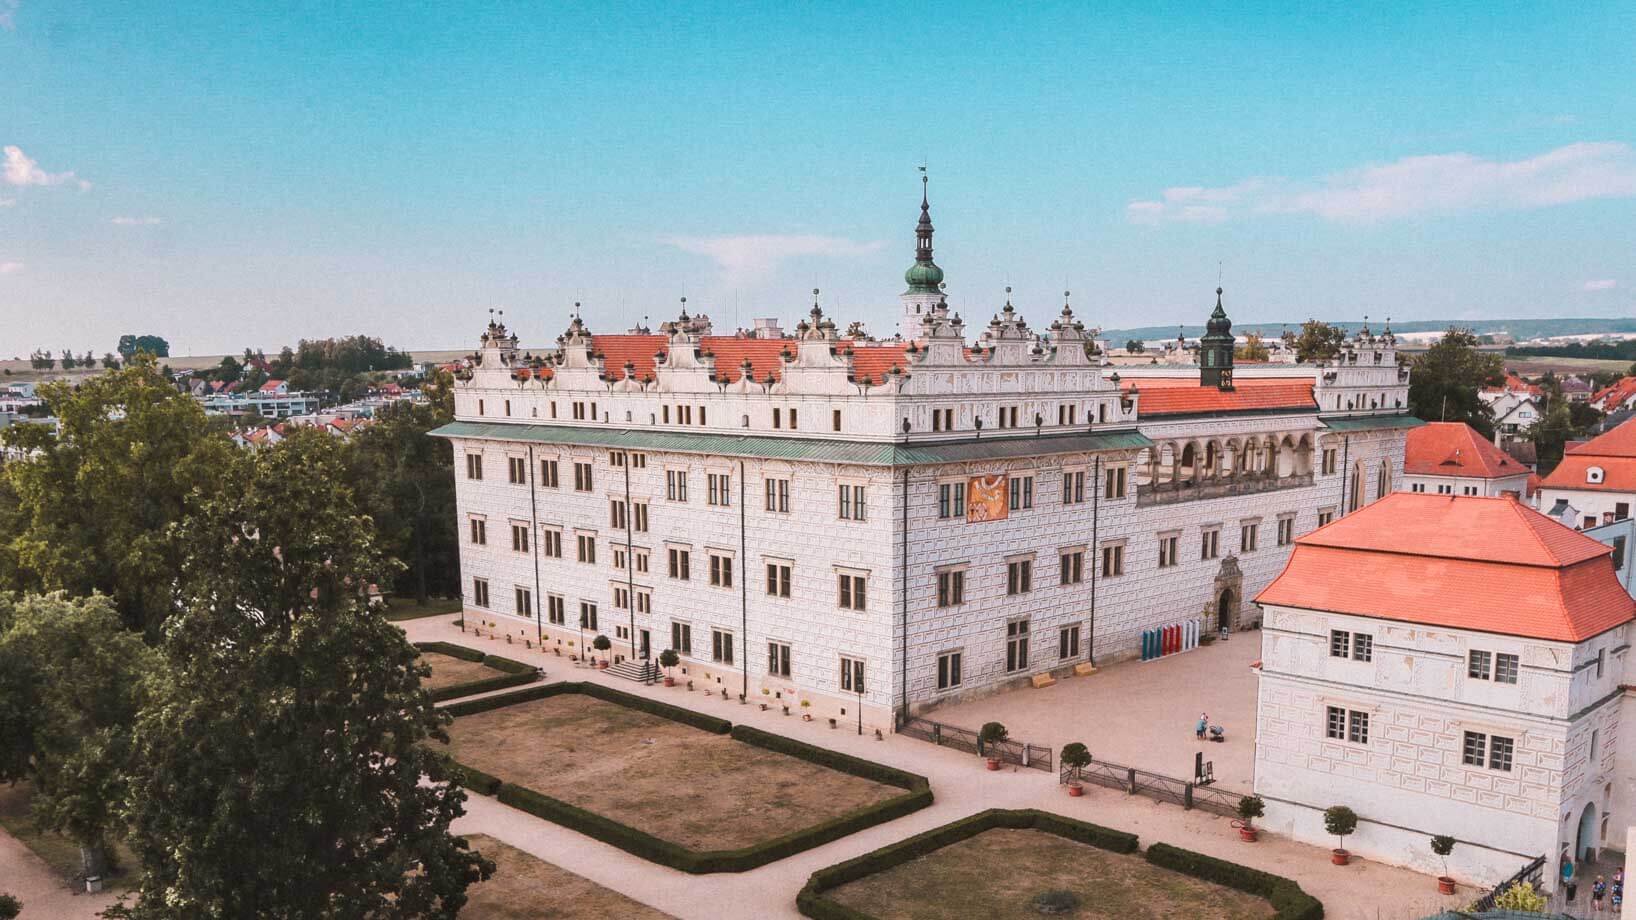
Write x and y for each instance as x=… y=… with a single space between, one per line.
x=1385 y=484
x=1354 y=496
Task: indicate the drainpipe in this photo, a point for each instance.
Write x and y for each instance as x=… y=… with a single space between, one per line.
x=630 y=562
x=1096 y=558
x=534 y=542
x=903 y=598
x=743 y=590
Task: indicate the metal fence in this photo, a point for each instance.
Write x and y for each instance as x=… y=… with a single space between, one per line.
x=1155 y=786
x=1532 y=873
x=1020 y=753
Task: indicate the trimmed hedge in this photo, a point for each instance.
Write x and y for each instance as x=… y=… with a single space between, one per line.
x=917 y=794
x=1290 y=902
x=1287 y=898
x=508 y=665
x=450 y=649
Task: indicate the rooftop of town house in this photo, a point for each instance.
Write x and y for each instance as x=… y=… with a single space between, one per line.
x=1456 y=449
x=1606 y=463
x=1619 y=442
x=1461 y=562
x=1183 y=394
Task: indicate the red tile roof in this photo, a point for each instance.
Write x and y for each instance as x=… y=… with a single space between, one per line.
x=1185 y=395
x=1618 y=442
x=1486 y=564
x=1455 y=449
x=1615 y=394
x=871 y=361
x=1614 y=452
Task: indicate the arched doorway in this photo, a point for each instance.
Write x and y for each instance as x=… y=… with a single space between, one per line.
x=1588 y=840
x=1226 y=607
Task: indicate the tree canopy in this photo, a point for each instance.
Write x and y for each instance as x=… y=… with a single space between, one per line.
x=308 y=798
x=1317 y=341
x=91 y=507
x=154 y=345
x=71 y=683
x=1253 y=349
x=1447 y=377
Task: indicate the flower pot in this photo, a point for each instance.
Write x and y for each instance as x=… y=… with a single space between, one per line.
x=806 y=717
x=1445 y=885
x=602 y=665
x=670 y=681
x=993 y=763
x=1339 y=857
x=1076 y=789
x=1247 y=834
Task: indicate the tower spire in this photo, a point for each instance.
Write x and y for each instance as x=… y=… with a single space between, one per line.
x=924 y=276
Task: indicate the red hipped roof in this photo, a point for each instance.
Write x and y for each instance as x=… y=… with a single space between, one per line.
x=1456 y=449
x=1186 y=396
x=1460 y=562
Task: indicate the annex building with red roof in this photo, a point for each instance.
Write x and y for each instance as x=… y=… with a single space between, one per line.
x=1452 y=458
x=1595 y=483
x=1447 y=664
x=931 y=513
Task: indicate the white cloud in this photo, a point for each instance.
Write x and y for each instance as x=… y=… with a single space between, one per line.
x=1601 y=284
x=1418 y=186
x=135 y=221
x=8 y=14
x=20 y=169
x=747 y=260
x=10 y=268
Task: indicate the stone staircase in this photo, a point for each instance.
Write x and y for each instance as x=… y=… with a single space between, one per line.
x=636 y=669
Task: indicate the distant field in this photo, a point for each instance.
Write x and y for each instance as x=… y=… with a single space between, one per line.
x=1529 y=364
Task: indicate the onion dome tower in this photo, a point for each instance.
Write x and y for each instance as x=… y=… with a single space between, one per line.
x=925 y=279
x=1216 y=350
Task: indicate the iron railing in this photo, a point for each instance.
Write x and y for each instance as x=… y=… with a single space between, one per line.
x=1021 y=753
x=1155 y=786
x=1532 y=873
x=1171 y=493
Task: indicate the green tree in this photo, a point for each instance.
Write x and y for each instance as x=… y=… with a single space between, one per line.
x=93 y=502
x=1135 y=346
x=1317 y=341
x=154 y=345
x=316 y=794
x=1447 y=378
x=228 y=370
x=407 y=479
x=69 y=360
x=41 y=360
x=110 y=361
x=1253 y=349
x=71 y=684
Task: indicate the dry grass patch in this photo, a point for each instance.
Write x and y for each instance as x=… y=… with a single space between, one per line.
x=700 y=790
x=448 y=671
x=526 y=888
x=997 y=873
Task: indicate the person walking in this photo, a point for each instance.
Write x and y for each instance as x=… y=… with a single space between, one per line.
x=1599 y=890
x=1568 y=883
x=1204 y=723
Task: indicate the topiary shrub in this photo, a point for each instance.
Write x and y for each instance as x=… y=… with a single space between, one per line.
x=991 y=733
x=1340 y=821
x=1075 y=756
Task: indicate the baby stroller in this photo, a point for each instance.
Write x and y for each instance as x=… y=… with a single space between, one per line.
x=1217 y=733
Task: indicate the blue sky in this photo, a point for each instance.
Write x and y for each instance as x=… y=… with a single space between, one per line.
x=229 y=174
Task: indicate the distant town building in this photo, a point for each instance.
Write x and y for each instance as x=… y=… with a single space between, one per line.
x=1517 y=404
x=1596 y=479
x=1619 y=395
x=1452 y=458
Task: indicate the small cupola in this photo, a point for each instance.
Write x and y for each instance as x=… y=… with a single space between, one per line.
x=1216 y=349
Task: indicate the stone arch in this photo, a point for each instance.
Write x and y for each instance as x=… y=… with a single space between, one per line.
x=1384 y=486
x=1228 y=585
x=1358 y=478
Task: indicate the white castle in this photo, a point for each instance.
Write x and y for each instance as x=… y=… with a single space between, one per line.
x=874 y=527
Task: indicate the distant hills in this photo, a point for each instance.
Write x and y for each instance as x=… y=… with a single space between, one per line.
x=1517 y=328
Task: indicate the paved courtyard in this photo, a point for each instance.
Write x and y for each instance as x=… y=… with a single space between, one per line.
x=1141 y=713
x=1361 y=891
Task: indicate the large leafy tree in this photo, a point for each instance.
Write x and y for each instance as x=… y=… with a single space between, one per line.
x=1317 y=341
x=407 y=479
x=154 y=345
x=71 y=684
x=1447 y=377
x=92 y=505
x=284 y=768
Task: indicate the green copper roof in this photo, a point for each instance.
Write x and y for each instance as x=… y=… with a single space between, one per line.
x=863 y=453
x=923 y=278
x=1371 y=423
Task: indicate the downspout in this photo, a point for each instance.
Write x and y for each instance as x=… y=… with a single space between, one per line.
x=743 y=590
x=534 y=542
x=903 y=598
x=1096 y=558
x=630 y=561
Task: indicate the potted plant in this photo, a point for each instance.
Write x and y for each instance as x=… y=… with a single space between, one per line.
x=806 y=716
x=1340 y=821
x=602 y=644
x=1075 y=757
x=669 y=659
x=1250 y=807
x=991 y=734
x=1443 y=845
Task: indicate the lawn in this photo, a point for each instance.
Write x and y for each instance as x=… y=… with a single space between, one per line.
x=699 y=790
x=448 y=671
x=525 y=888
x=997 y=873
x=405 y=608
x=57 y=851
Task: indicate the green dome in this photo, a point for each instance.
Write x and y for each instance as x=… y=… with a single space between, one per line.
x=923 y=278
